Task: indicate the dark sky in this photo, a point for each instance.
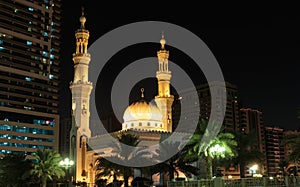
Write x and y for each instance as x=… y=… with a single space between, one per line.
x=258 y=50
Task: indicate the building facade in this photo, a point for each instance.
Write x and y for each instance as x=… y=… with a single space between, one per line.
x=150 y=121
x=29 y=75
x=252 y=120
x=274 y=149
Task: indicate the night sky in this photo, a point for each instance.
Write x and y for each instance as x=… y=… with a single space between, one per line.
x=257 y=50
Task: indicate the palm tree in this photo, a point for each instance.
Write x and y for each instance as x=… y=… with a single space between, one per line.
x=292 y=141
x=223 y=146
x=115 y=164
x=9 y=175
x=283 y=164
x=178 y=162
x=46 y=166
x=247 y=150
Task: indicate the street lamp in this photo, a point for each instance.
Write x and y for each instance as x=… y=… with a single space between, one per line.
x=217 y=151
x=253 y=169
x=66 y=163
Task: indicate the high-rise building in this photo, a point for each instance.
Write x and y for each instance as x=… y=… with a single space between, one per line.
x=252 y=120
x=231 y=118
x=29 y=75
x=290 y=168
x=274 y=149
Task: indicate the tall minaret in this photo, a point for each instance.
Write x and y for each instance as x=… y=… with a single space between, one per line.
x=164 y=99
x=81 y=90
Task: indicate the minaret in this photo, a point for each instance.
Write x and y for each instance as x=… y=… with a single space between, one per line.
x=164 y=99
x=81 y=90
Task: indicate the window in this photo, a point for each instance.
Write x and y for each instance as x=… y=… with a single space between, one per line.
x=45 y=54
x=28 y=79
x=51 y=76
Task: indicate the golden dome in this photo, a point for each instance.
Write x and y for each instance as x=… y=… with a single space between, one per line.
x=142 y=111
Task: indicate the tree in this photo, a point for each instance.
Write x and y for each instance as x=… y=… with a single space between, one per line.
x=178 y=162
x=283 y=164
x=9 y=175
x=115 y=164
x=46 y=166
x=292 y=141
x=247 y=150
x=222 y=146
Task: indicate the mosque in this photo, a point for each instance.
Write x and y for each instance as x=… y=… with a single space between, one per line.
x=150 y=121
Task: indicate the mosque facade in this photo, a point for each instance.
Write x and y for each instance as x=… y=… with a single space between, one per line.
x=150 y=121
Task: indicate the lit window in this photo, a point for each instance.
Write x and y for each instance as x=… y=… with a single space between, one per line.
x=51 y=56
x=29 y=42
x=47 y=7
x=51 y=76
x=28 y=79
x=1 y=48
x=16 y=10
x=52 y=23
x=30 y=22
x=37 y=58
x=30 y=9
x=27 y=108
x=1 y=42
x=45 y=34
x=45 y=54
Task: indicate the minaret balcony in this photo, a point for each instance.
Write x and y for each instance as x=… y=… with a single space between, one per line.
x=82 y=55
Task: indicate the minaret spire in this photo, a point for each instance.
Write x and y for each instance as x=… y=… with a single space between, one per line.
x=162 y=40
x=82 y=19
x=142 y=95
x=164 y=99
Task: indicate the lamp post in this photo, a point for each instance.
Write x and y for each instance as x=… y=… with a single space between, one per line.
x=253 y=169
x=217 y=151
x=66 y=163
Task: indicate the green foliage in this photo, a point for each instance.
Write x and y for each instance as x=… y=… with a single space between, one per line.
x=46 y=166
x=13 y=169
x=205 y=139
x=108 y=167
x=247 y=150
x=178 y=162
x=293 y=142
